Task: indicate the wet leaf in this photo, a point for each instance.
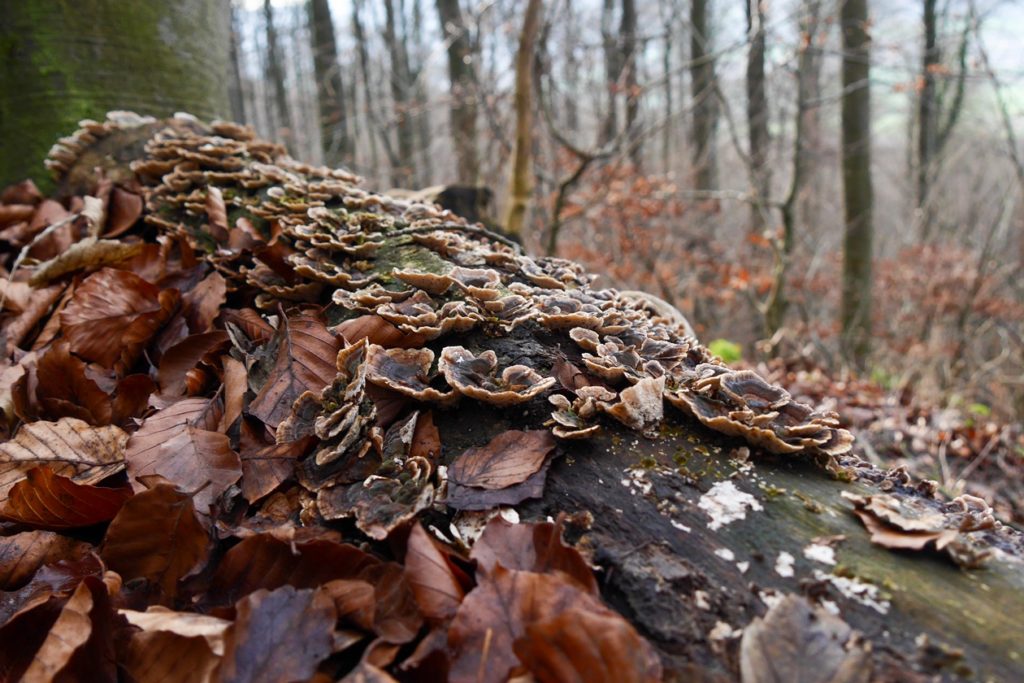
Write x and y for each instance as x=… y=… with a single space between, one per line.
x=158 y=537
x=305 y=362
x=177 y=444
x=113 y=314
x=279 y=636
x=68 y=446
x=796 y=641
x=508 y=459
x=45 y=500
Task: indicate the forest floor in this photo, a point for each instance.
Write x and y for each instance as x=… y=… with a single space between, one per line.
x=966 y=449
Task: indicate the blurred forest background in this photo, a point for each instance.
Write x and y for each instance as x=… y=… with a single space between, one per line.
x=830 y=191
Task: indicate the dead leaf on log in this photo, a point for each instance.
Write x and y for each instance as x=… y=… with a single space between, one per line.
x=472 y=498
x=508 y=459
x=278 y=636
x=22 y=554
x=68 y=446
x=497 y=612
x=113 y=314
x=177 y=444
x=156 y=536
x=378 y=331
x=124 y=208
x=426 y=440
x=796 y=641
x=531 y=547
x=305 y=362
x=588 y=647
x=45 y=500
x=431 y=576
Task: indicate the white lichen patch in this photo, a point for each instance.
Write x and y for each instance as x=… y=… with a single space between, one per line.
x=743 y=567
x=636 y=481
x=860 y=592
x=726 y=554
x=680 y=526
x=830 y=607
x=784 y=565
x=770 y=597
x=724 y=504
x=818 y=552
x=700 y=599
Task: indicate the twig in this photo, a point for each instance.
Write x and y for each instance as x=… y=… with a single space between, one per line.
x=455 y=227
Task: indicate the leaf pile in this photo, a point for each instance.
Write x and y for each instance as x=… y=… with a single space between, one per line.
x=221 y=457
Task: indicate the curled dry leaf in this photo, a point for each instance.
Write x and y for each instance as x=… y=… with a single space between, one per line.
x=202 y=304
x=431 y=576
x=496 y=614
x=123 y=209
x=68 y=446
x=113 y=315
x=305 y=362
x=531 y=547
x=22 y=554
x=45 y=500
x=177 y=444
x=378 y=331
x=157 y=537
x=87 y=254
x=796 y=641
x=588 y=647
x=279 y=636
x=181 y=358
x=64 y=389
x=508 y=459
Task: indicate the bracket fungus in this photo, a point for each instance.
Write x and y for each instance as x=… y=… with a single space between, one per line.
x=475 y=376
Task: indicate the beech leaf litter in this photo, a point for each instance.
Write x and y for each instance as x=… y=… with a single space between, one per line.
x=220 y=459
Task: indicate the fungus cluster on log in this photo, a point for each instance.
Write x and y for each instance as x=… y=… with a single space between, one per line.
x=243 y=388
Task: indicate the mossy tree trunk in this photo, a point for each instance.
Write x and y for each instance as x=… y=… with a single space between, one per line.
x=66 y=61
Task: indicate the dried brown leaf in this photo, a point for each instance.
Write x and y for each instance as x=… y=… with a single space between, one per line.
x=89 y=253
x=68 y=446
x=305 y=362
x=176 y=647
x=201 y=305
x=379 y=331
x=181 y=358
x=158 y=537
x=177 y=444
x=45 y=500
x=113 y=314
x=581 y=646
x=236 y=383
x=431 y=576
x=279 y=636
x=22 y=554
x=508 y=459
x=796 y=641
x=534 y=547
x=265 y=465
x=123 y=209
x=64 y=389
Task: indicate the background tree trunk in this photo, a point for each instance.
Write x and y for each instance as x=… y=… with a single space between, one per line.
x=857 y=190
x=61 y=65
x=612 y=71
x=405 y=172
x=927 y=116
x=462 y=76
x=521 y=181
x=275 y=72
x=757 y=115
x=705 y=105
x=334 y=129
x=629 y=68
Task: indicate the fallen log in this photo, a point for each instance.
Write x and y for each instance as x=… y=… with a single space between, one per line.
x=337 y=390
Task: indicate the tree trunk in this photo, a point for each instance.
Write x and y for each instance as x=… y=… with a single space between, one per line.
x=857 y=190
x=462 y=76
x=705 y=106
x=521 y=180
x=235 y=83
x=927 y=106
x=330 y=90
x=757 y=115
x=813 y=30
x=405 y=172
x=63 y=64
x=368 y=95
x=612 y=71
x=629 y=68
x=668 y=9
x=275 y=73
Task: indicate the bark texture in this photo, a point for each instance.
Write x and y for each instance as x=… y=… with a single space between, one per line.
x=857 y=189
x=705 y=105
x=330 y=88
x=64 y=63
x=462 y=75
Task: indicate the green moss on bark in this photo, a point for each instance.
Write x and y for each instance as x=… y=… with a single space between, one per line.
x=65 y=61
